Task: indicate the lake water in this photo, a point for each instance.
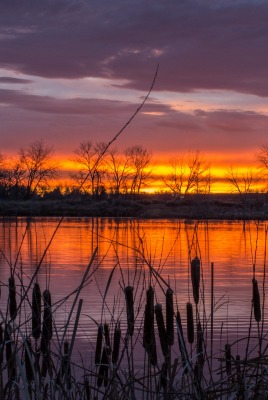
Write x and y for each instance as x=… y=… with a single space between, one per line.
x=126 y=251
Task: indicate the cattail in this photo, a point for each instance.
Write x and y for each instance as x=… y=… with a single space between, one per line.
x=98 y=345
x=190 y=322
x=195 y=276
x=1 y=344
x=12 y=298
x=116 y=343
x=36 y=311
x=47 y=322
x=130 y=309
x=199 y=346
x=228 y=358
x=161 y=329
x=28 y=358
x=148 y=328
x=107 y=335
x=256 y=300
x=170 y=316
x=10 y=358
x=103 y=370
x=238 y=368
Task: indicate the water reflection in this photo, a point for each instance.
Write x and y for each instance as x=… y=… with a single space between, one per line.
x=128 y=252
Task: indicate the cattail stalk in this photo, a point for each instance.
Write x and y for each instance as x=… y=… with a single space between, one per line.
x=256 y=300
x=36 y=311
x=190 y=322
x=169 y=317
x=161 y=329
x=12 y=298
x=130 y=309
x=195 y=276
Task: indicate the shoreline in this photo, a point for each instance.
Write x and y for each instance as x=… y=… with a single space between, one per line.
x=202 y=207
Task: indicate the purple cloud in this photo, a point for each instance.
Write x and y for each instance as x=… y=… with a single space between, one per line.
x=199 y=44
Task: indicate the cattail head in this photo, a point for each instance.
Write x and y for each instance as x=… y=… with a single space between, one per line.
x=256 y=300
x=195 y=276
x=1 y=344
x=116 y=343
x=190 y=322
x=148 y=328
x=161 y=329
x=228 y=358
x=47 y=322
x=98 y=345
x=12 y=298
x=36 y=311
x=28 y=360
x=130 y=309
x=107 y=335
x=170 y=316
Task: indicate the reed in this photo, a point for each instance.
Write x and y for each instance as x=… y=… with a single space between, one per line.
x=190 y=322
x=195 y=277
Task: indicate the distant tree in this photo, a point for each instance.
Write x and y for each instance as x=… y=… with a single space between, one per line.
x=118 y=171
x=91 y=162
x=37 y=167
x=262 y=156
x=244 y=182
x=138 y=159
x=188 y=173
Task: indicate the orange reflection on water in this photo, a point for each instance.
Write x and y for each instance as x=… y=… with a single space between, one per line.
x=132 y=252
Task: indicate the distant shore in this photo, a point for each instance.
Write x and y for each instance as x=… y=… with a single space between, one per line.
x=213 y=206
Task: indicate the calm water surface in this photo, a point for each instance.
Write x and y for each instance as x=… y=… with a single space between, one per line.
x=127 y=249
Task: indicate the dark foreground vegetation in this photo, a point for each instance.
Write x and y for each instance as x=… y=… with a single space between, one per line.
x=209 y=206
x=179 y=358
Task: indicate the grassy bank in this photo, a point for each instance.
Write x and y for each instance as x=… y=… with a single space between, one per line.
x=217 y=206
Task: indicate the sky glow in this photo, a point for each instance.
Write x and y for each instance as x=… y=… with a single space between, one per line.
x=72 y=71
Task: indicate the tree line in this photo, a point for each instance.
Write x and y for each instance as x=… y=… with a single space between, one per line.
x=98 y=173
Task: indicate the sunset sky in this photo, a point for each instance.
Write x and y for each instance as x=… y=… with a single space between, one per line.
x=75 y=70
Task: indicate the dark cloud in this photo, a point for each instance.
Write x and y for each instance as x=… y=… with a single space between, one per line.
x=7 y=79
x=199 y=44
